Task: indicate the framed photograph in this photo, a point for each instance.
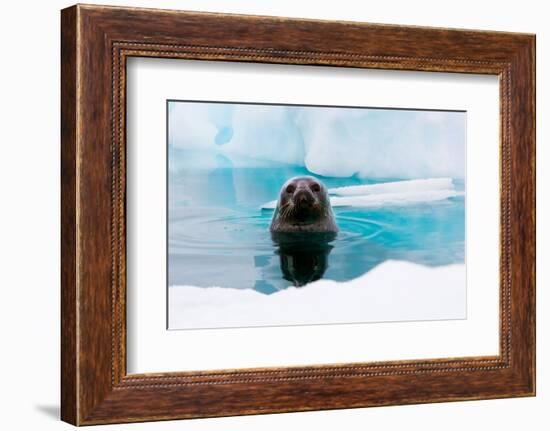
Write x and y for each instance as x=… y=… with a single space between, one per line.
x=356 y=233
x=264 y=214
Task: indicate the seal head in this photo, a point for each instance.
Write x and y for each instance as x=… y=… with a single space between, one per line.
x=303 y=206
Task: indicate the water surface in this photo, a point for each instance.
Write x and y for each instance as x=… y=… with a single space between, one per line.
x=218 y=235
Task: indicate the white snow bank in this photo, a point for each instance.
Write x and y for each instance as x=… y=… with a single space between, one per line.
x=390 y=194
x=384 y=199
x=393 y=199
x=428 y=184
x=392 y=291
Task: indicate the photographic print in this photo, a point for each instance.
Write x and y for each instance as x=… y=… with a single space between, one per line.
x=305 y=215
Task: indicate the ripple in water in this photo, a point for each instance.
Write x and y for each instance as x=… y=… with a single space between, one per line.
x=218 y=236
x=205 y=231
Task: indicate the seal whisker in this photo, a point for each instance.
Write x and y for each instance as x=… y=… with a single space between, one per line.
x=288 y=210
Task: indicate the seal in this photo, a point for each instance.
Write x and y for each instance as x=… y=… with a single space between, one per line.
x=303 y=207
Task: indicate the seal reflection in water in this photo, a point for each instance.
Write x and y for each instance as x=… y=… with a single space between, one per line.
x=302 y=228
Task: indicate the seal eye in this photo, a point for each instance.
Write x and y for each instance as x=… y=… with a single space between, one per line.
x=290 y=188
x=315 y=187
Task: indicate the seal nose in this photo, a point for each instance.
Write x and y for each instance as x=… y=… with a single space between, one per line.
x=303 y=197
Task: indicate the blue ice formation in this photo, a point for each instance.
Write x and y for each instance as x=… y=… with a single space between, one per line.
x=328 y=141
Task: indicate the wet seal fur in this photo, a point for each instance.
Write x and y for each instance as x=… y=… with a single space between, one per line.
x=302 y=229
x=303 y=206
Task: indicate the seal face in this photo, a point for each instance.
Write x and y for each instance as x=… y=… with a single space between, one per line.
x=303 y=206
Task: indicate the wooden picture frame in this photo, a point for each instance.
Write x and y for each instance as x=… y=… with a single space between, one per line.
x=95 y=43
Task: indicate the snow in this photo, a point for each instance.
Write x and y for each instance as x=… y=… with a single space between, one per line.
x=390 y=194
x=428 y=184
x=392 y=291
x=393 y=199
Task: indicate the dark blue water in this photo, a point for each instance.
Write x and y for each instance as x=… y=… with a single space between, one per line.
x=219 y=236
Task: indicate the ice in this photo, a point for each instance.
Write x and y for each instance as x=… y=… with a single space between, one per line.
x=191 y=126
x=393 y=199
x=262 y=132
x=338 y=142
x=428 y=184
x=392 y=291
x=390 y=194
